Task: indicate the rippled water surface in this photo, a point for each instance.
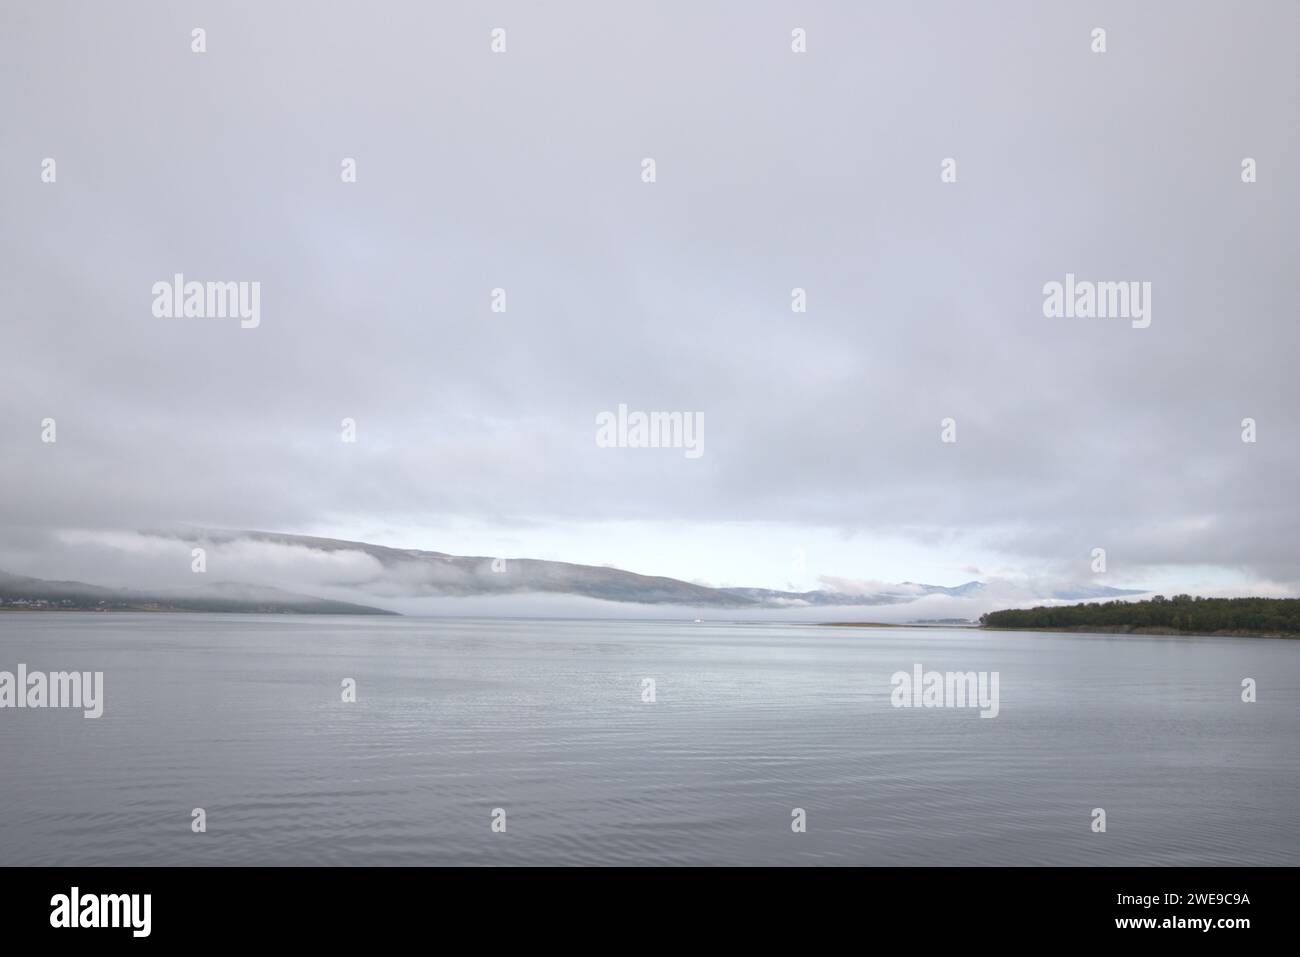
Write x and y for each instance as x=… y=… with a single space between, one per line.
x=242 y=716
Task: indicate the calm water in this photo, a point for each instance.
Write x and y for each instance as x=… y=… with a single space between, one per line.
x=241 y=715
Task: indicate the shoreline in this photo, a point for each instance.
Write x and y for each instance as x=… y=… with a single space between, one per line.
x=1155 y=630
x=1148 y=630
x=885 y=624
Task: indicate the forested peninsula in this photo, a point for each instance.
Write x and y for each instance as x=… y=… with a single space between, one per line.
x=1180 y=615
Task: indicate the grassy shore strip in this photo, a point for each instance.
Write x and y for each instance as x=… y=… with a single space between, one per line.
x=880 y=624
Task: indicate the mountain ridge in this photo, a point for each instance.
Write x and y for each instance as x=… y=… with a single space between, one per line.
x=404 y=573
x=23 y=592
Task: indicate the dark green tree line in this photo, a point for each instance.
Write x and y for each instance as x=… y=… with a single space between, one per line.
x=1182 y=613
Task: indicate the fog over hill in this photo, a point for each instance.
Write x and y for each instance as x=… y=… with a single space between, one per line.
x=24 y=593
x=272 y=571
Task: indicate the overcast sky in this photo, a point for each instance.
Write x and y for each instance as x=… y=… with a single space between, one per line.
x=523 y=170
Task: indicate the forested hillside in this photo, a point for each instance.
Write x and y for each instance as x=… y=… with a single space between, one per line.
x=1182 y=613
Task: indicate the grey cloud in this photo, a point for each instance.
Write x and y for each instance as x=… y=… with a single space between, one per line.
x=775 y=171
